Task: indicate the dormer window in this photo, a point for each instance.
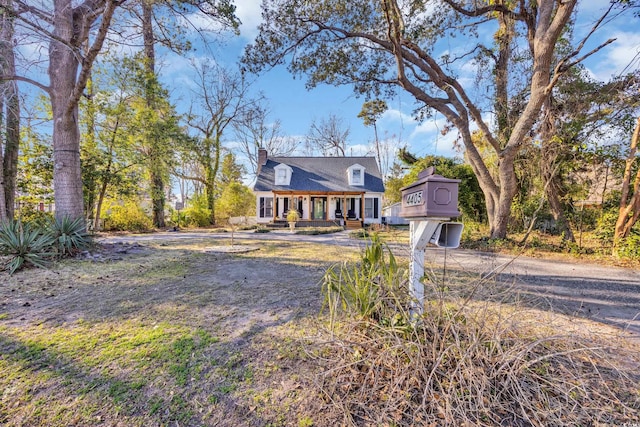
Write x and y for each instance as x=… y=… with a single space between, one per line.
x=282 y=174
x=356 y=174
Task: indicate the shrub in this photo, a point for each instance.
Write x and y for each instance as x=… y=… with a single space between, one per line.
x=29 y=214
x=361 y=233
x=312 y=231
x=629 y=247
x=197 y=214
x=374 y=288
x=293 y=215
x=128 y=217
x=24 y=244
x=70 y=236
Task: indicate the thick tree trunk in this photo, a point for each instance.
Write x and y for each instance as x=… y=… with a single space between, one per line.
x=10 y=106
x=156 y=174
x=63 y=71
x=549 y=167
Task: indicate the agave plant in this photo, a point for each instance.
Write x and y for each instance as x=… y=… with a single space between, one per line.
x=69 y=236
x=23 y=244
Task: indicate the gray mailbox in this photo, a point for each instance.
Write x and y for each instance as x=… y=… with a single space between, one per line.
x=431 y=196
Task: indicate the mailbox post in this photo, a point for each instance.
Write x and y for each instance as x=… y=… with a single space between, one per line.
x=429 y=204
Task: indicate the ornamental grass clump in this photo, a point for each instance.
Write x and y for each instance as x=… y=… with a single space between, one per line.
x=475 y=357
x=70 y=236
x=36 y=244
x=25 y=245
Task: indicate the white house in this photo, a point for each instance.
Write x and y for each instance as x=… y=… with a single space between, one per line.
x=392 y=216
x=324 y=190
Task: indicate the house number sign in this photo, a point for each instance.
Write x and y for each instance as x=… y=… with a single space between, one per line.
x=414 y=199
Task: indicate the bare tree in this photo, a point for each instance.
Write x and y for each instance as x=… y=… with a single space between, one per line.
x=329 y=136
x=223 y=99
x=254 y=131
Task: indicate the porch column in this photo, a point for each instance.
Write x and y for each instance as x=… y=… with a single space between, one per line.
x=275 y=207
x=362 y=206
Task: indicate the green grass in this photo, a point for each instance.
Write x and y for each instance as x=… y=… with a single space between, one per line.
x=117 y=363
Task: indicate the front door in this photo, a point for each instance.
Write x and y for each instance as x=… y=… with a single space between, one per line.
x=318 y=205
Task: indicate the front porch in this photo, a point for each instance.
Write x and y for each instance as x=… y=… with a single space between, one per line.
x=282 y=223
x=320 y=208
x=349 y=209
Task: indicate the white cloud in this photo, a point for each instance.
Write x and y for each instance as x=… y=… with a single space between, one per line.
x=250 y=14
x=620 y=57
x=394 y=115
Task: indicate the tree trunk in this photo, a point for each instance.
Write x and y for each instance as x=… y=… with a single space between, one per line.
x=11 y=149
x=629 y=210
x=549 y=166
x=156 y=162
x=11 y=129
x=63 y=71
x=3 y=208
x=90 y=150
x=157 y=195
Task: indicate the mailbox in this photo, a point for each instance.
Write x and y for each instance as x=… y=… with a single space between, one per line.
x=431 y=196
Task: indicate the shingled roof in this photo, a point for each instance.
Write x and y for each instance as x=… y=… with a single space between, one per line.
x=320 y=174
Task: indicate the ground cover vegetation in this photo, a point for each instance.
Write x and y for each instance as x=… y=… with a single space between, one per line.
x=295 y=334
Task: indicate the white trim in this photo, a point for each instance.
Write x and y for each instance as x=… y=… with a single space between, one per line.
x=351 y=175
x=282 y=174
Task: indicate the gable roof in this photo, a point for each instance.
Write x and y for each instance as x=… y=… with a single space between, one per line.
x=320 y=174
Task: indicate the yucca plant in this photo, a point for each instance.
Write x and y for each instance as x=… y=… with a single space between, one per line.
x=375 y=288
x=23 y=244
x=69 y=235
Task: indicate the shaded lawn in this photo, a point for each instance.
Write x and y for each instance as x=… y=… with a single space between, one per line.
x=163 y=335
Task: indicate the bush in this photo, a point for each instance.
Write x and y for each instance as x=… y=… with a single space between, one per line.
x=374 y=288
x=29 y=214
x=70 y=236
x=313 y=231
x=361 y=233
x=128 y=217
x=629 y=247
x=24 y=244
x=196 y=214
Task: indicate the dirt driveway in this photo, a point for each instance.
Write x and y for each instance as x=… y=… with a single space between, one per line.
x=609 y=295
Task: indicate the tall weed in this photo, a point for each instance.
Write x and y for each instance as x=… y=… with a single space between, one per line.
x=476 y=356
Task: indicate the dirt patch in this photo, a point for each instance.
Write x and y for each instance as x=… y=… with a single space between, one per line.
x=259 y=306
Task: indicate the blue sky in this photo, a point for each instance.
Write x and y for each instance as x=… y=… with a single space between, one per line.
x=296 y=107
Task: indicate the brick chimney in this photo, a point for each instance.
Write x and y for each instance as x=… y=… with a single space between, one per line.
x=262 y=158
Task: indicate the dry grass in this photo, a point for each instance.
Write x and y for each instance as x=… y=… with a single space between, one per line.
x=477 y=357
